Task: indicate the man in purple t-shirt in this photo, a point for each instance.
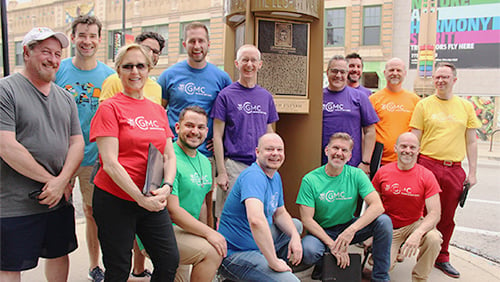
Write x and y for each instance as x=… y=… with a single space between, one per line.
x=346 y=109
x=242 y=112
x=355 y=67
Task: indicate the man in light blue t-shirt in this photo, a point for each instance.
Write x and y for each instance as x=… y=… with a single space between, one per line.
x=193 y=81
x=83 y=75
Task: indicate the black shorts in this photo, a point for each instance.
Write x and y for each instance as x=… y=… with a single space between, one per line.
x=24 y=239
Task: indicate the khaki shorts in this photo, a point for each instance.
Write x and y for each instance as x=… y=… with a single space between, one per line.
x=192 y=250
x=86 y=188
x=233 y=169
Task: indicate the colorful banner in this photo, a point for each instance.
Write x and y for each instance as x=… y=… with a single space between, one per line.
x=484 y=106
x=468 y=33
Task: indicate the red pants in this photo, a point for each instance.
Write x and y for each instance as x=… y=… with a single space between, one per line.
x=451 y=179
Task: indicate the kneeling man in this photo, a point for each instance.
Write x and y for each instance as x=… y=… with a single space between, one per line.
x=406 y=188
x=260 y=233
x=327 y=201
x=198 y=244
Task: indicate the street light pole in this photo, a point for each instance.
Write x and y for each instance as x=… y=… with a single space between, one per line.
x=5 y=39
x=124 y=9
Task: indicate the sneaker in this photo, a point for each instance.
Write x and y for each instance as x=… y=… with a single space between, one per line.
x=145 y=273
x=96 y=274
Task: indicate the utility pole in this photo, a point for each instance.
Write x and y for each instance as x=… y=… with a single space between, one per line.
x=5 y=39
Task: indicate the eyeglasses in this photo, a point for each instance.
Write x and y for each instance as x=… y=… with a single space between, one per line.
x=130 y=67
x=155 y=51
x=442 y=77
x=336 y=71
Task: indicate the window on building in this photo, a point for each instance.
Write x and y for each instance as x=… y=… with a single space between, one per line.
x=372 y=18
x=163 y=31
x=335 y=27
x=114 y=41
x=19 y=53
x=181 y=32
x=72 y=49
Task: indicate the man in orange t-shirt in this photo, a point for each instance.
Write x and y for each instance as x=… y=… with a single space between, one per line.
x=394 y=107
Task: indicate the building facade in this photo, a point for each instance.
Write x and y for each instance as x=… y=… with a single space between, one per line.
x=376 y=29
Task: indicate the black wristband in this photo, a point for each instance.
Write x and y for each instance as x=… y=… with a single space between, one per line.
x=365 y=163
x=169 y=184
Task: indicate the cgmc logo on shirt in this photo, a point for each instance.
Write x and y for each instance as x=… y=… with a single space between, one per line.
x=191 y=89
x=332 y=196
x=144 y=124
x=391 y=107
x=332 y=107
x=249 y=108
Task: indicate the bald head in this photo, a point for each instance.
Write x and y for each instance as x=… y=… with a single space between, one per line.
x=270 y=153
x=395 y=73
x=407 y=148
x=269 y=137
x=408 y=136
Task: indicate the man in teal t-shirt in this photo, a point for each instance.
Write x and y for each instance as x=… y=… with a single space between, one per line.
x=327 y=201
x=82 y=76
x=198 y=244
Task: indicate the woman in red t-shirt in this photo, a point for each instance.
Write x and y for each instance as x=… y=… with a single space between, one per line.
x=123 y=128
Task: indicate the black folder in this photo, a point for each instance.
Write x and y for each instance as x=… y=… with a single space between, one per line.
x=332 y=272
x=154 y=170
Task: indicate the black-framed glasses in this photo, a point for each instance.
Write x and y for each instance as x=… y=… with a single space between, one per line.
x=155 y=51
x=130 y=67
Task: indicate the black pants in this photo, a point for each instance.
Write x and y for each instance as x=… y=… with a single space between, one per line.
x=118 y=221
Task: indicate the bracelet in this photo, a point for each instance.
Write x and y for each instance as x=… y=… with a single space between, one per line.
x=365 y=163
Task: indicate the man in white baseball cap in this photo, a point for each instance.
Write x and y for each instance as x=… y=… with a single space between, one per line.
x=42 y=33
x=42 y=147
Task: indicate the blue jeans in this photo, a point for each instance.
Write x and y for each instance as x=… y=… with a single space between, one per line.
x=252 y=265
x=380 y=229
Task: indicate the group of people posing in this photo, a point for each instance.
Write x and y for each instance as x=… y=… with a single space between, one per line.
x=62 y=119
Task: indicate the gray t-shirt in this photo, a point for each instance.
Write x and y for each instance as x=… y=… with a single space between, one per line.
x=43 y=125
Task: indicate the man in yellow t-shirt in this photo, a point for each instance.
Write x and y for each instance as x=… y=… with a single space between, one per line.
x=446 y=126
x=154 y=43
x=394 y=106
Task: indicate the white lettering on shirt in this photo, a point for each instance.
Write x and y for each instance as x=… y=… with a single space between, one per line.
x=332 y=196
x=249 y=108
x=332 y=107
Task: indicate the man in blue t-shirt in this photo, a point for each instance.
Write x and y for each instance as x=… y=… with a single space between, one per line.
x=83 y=75
x=193 y=81
x=260 y=233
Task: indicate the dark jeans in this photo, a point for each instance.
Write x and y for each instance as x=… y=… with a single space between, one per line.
x=118 y=221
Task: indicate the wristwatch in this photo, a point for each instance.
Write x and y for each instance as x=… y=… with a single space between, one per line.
x=365 y=163
x=168 y=184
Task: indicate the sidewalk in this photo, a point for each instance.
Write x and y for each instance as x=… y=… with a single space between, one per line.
x=471 y=267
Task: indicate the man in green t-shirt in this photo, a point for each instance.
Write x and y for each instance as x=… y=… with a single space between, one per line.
x=327 y=201
x=198 y=244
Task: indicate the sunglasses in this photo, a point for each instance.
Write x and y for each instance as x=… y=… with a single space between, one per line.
x=155 y=51
x=130 y=67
